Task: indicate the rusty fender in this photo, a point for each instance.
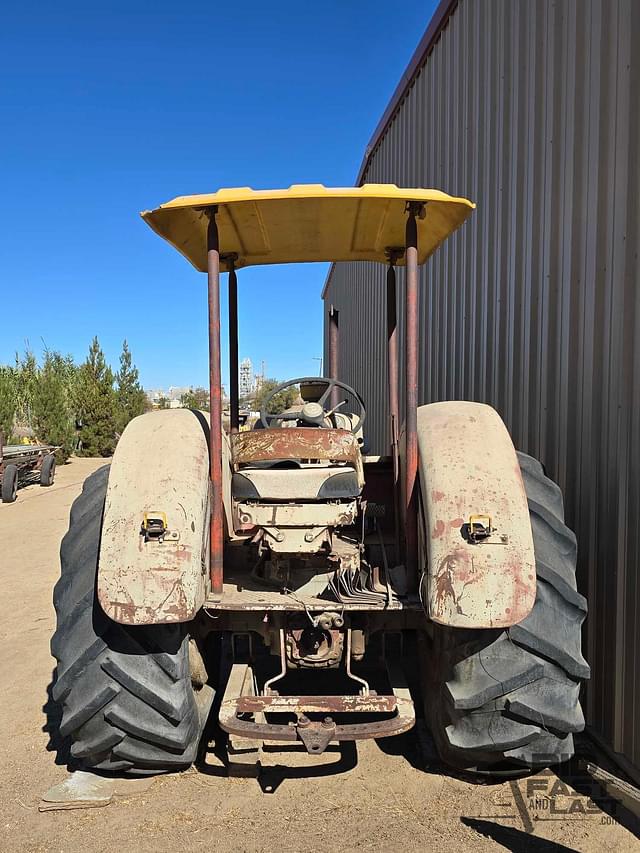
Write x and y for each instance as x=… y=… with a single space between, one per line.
x=476 y=539
x=160 y=467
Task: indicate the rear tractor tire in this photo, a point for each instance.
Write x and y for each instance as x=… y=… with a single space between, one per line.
x=133 y=698
x=503 y=702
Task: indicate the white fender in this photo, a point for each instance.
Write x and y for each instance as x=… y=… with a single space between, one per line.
x=471 y=486
x=160 y=466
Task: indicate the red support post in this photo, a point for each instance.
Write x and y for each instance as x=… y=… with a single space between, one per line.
x=394 y=404
x=333 y=352
x=215 y=407
x=333 y=343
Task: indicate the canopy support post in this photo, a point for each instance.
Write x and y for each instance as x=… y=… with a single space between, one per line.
x=215 y=407
x=411 y=397
x=334 y=344
x=234 y=402
x=394 y=404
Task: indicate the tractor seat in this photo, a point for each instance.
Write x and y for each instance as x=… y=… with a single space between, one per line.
x=296 y=463
x=302 y=483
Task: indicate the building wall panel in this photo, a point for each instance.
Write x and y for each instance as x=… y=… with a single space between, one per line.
x=532 y=109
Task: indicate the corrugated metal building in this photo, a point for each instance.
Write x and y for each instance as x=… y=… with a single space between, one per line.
x=531 y=109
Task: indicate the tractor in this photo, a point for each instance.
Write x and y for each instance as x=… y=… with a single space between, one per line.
x=286 y=587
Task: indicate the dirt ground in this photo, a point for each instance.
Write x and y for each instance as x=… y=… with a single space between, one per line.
x=380 y=797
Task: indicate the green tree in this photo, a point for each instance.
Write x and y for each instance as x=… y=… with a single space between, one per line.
x=196 y=398
x=7 y=401
x=95 y=405
x=25 y=372
x=52 y=415
x=163 y=402
x=282 y=401
x=130 y=398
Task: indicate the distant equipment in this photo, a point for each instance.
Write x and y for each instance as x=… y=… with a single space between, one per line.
x=24 y=463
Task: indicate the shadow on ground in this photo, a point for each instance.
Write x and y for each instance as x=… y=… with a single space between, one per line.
x=514 y=839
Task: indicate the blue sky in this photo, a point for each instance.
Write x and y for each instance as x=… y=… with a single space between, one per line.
x=111 y=108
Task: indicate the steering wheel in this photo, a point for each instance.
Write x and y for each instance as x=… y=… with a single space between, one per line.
x=313 y=414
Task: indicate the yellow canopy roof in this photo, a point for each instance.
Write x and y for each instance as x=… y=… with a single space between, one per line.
x=307 y=222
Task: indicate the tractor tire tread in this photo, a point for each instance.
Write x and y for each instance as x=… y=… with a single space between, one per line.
x=513 y=699
x=126 y=695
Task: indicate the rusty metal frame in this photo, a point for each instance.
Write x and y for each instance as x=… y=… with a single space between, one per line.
x=314 y=734
x=316 y=704
x=337 y=445
x=302 y=444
